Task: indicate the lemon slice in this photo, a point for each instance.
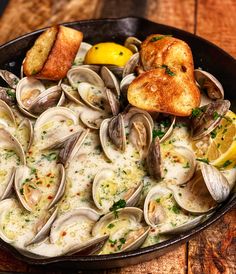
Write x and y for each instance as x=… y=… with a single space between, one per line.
x=222 y=149
x=108 y=53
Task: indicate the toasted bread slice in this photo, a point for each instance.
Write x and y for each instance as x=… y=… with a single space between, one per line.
x=159 y=49
x=167 y=83
x=53 y=53
x=156 y=91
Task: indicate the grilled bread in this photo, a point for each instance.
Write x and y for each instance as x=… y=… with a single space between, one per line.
x=167 y=83
x=53 y=53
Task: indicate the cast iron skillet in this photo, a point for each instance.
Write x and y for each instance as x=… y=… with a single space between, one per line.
x=206 y=55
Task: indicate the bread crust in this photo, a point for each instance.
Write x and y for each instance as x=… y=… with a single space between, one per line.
x=167 y=84
x=61 y=56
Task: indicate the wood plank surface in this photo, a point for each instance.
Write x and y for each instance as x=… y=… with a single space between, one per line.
x=212 y=251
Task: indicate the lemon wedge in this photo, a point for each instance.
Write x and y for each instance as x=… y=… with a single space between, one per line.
x=108 y=53
x=222 y=149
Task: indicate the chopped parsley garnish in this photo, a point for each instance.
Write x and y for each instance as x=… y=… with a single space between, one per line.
x=110 y=226
x=22 y=191
x=33 y=170
x=157 y=133
x=158 y=200
x=216 y=115
x=175 y=209
x=11 y=93
x=213 y=134
x=196 y=112
x=122 y=240
x=157 y=38
x=50 y=157
x=168 y=71
x=112 y=241
x=227 y=163
x=204 y=160
x=117 y=205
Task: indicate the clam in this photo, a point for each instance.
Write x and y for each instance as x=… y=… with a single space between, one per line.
x=125 y=82
x=10 y=78
x=12 y=154
x=116 y=70
x=208 y=118
x=8 y=95
x=124 y=228
x=113 y=101
x=72 y=94
x=54 y=126
x=160 y=210
x=83 y=49
x=116 y=132
x=154 y=162
x=110 y=80
x=61 y=186
x=27 y=191
x=49 y=98
x=184 y=164
x=7 y=118
x=131 y=65
x=202 y=193
x=33 y=98
x=72 y=231
x=25 y=133
x=7 y=234
x=71 y=146
x=131 y=111
x=132 y=43
x=140 y=134
x=106 y=190
x=164 y=126
x=209 y=84
x=91 y=118
x=104 y=139
x=43 y=227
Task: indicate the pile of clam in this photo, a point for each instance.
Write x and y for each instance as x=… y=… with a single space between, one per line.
x=46 y=126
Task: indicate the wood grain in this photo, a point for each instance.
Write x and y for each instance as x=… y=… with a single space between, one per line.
x=212 y=251
x=216 y=21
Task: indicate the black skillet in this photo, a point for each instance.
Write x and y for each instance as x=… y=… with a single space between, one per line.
x=206 y=55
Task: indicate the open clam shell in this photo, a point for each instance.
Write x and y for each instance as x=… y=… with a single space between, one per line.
x=208 y=119
x=209 y=84
x=140 y=134
x=43 y=228
x=202 y=193
x=116 y=132
x=104 y=139
x=124 y=229
x=25 y=133
x=125 y=82
x=6 y=206
x=10 y=78
x=73 y=231
x=184 y=164
x=83 y=49
x=27 y=192
x=132 y=43
x=113 y=101
x=47 y=99
x=110 y=80
x=12 y=154
x=91 y=118
x=71 y=147
x=131 y=111
x=131 y=65
x=164 y=126
x=154 y=161
x=61 y=186
x=54 y=125
x=7 y=118
x=105 y=190
x=72 y=94
x=8 y=95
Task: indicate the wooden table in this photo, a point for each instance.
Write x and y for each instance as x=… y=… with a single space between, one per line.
x=214 y=250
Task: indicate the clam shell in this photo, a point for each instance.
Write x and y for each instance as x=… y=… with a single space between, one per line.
x=25 y=125
x=8 y=95
x=154 y=161
x=116 y=132
x=125 y=82
x=131 y=65
x=71 y=94
x=80 y=55
x=209 y=84
x=110 y=80
x=7 y=117
x=10 y=78
x=91 y=118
